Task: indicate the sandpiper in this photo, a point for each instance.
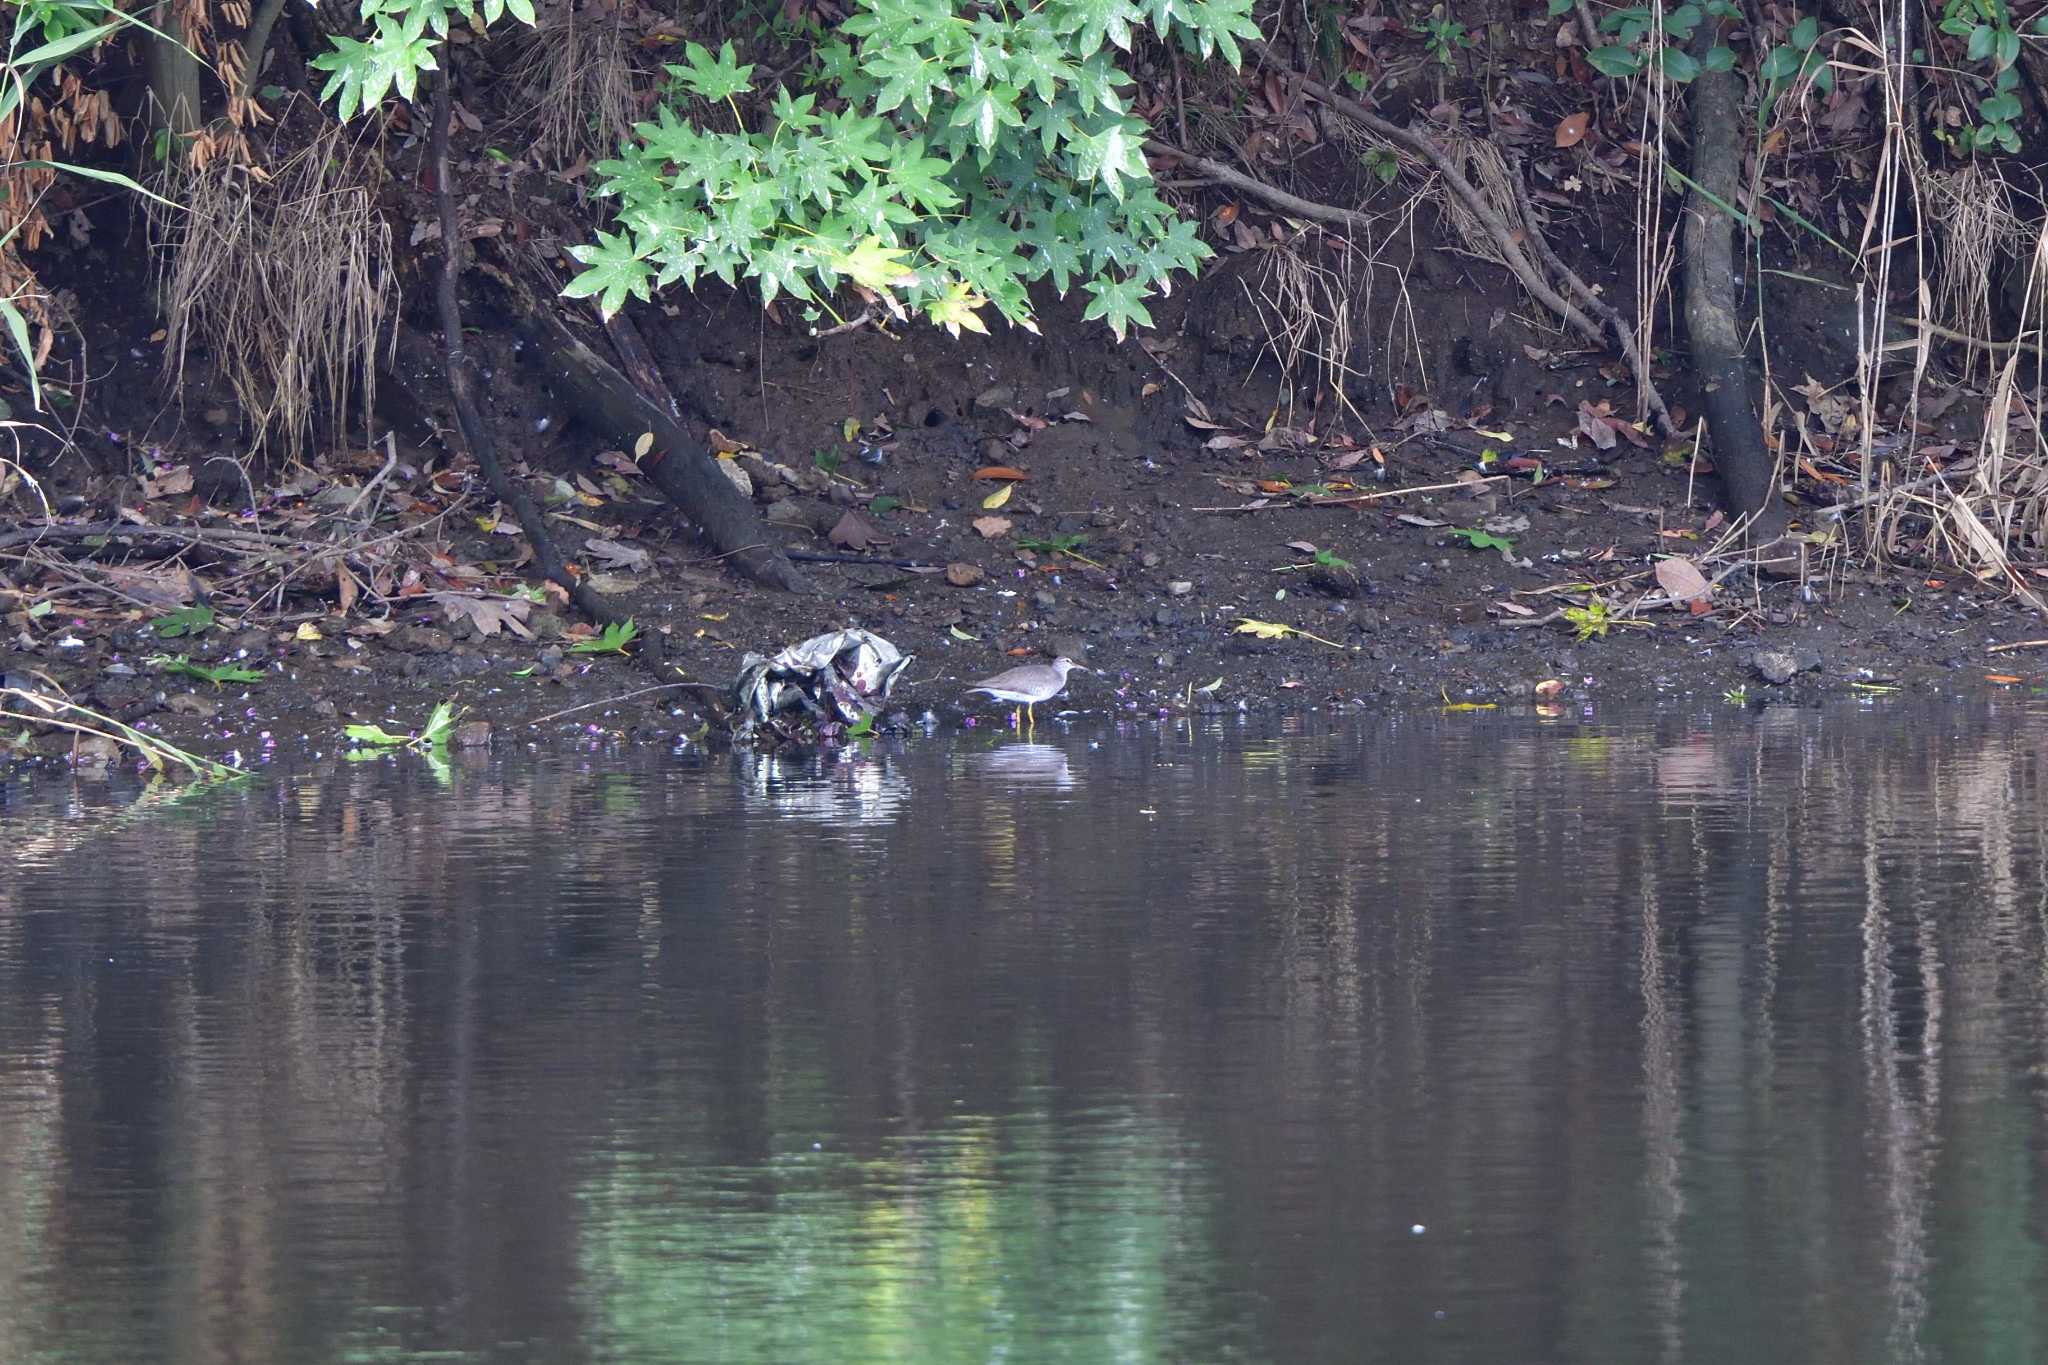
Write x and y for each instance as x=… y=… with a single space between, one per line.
x=1028 y=685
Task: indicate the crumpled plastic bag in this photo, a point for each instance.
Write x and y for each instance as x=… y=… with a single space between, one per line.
x=840 y=677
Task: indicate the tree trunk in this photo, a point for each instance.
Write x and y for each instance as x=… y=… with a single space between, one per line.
x=173 y=81
x=1747 y=468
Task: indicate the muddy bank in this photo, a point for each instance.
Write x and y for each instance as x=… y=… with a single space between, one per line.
x=978 y=502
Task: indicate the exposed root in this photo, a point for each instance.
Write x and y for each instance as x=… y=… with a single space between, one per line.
x=285 y=281
x=1481 y=166
x=1307 y=310
x=1507 y=239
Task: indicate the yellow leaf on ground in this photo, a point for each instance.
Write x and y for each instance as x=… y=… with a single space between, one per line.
x=997 y=498
x=1274 y=630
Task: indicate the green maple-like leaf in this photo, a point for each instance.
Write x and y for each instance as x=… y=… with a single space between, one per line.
x=615 y=270
x=1119 y=303
x=713 y=78
x=956 y=308
x=986 y=112
x=364 y=73
x=1109 y=155
x=919 y=179
x=875 y=264
x=1093 y=21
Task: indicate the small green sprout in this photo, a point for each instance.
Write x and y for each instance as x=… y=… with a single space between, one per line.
x=614 y=639
x=216 y=674
x=433 y=735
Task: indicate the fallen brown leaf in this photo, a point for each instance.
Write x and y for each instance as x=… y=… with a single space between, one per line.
x=1682 y=581
x=991 y=527
x=855 y=532
x=488 y=614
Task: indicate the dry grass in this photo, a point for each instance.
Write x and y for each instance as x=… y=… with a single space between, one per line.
x=286 y=282
x=1313 y=294
x=577 y=80
x=1977 y=232
x=1305 y=308
x=1483 y=165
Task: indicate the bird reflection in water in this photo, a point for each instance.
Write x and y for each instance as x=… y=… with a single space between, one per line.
x=1025 y=765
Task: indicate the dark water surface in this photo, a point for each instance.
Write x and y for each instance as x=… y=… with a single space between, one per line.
x=1712 y=1036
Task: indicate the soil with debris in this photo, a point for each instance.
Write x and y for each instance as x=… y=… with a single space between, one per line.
x=978 y=501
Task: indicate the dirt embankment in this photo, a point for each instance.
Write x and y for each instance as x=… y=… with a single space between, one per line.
x=1168 y=494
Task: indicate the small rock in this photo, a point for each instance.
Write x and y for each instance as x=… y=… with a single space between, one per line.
x=192 y=704
x=1149 y=559
x=1777 y=666
x=473 y=734
x=90 y=750
x=740 y=480
x=1068 y=646
x=551 y=658
x=1044 y=600
x=1180 y=587
x=995 y=396
x=995 y=452
x=1166 y=616
x=422 y=640
x=216 y=417
x=962 y=575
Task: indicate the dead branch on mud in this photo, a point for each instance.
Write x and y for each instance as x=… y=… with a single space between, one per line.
x=1280 y=199
x=475 y=434
x=610 y=403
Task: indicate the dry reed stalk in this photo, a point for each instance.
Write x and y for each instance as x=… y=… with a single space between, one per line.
x=286 y=281
x=578 y=82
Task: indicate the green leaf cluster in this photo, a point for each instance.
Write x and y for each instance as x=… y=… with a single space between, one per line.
x=361 y=73
x=1638 y=44
x=943 y=156
x=1989 y=36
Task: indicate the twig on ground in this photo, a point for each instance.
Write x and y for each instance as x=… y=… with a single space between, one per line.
x=853 y=323
x=1352 y=499
x=624 y=696
x=390 y=463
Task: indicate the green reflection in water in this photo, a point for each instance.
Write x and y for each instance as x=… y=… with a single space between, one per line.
x=1022 y=1238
